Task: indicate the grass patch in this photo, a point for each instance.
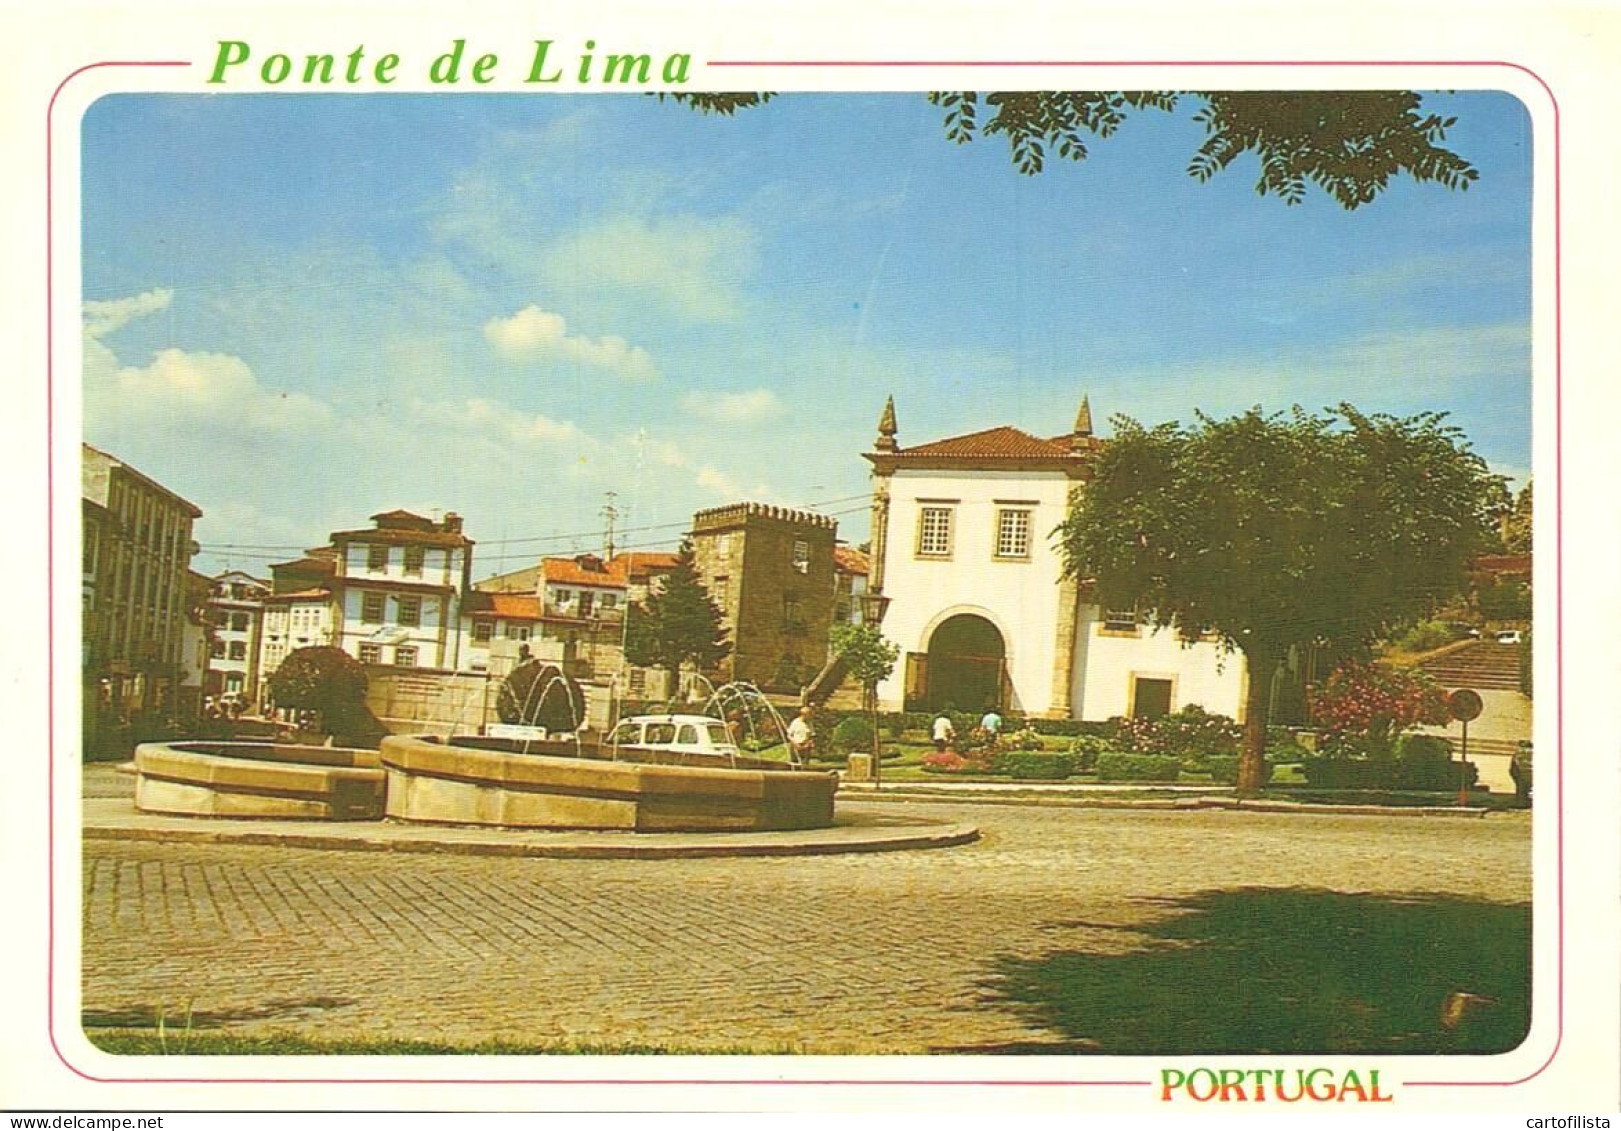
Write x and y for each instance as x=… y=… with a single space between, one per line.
x=148 y=1042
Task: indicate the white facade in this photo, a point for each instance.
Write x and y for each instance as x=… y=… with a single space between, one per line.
x=1019 y=596
x=398 y=589
x=293 y=621
x=236 y=608
x=964 y=550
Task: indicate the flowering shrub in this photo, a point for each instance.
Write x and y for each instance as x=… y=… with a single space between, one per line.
x=1190 y=732
x=1085 y=748
x=1363 y=708
x=1026 y=739
x=947 y=762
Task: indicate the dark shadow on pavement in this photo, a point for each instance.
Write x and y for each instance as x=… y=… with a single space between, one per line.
x=1265 y=970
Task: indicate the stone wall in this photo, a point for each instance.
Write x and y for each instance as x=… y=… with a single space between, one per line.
x=426 y=701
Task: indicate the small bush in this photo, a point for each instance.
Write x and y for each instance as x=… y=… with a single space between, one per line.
x=853 y=733
x=1427 y=635
x=1085 y=748
x=1349 y=773
x=1024 y=739
x=1424 y=762
x=1116 y=766
x=1028 y=765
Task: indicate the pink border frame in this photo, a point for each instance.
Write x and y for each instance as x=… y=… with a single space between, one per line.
x=807 y=63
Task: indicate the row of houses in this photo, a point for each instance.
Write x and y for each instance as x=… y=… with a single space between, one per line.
x=399 y=596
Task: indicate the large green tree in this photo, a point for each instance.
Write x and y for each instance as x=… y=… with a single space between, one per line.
x=332 y=682
x=1348 y=143
x=1275 y=531
x=679 y=624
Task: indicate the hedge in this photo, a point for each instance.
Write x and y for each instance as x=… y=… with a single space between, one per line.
x=1115 y=766
x=1223 y=768
x=1033 y=765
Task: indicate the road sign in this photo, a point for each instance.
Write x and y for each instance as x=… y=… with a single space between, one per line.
x=1464 y=705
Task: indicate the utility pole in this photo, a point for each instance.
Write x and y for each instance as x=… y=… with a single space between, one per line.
x=610 y=515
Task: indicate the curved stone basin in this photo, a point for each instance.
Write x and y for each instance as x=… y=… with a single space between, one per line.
x=258 y=779
x=431 y=781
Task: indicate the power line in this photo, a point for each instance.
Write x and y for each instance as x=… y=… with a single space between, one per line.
x=227 y=547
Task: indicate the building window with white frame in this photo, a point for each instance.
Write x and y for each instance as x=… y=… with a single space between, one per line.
x=483 y=631
x=376 y=558
x=410 y=610
x=1013 y=533
x=371 y=653
x=801 y=556
x=934 y=532
x=414 y=557
x=405 y=657
x=372 y=606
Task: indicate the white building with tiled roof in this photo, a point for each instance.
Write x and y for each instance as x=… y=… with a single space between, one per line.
x=398 y=588
x=962 y=547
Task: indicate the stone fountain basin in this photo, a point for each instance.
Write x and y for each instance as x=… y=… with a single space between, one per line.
x=254 y=779
x=431 y=780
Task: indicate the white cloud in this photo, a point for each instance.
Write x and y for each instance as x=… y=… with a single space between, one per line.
x=729 y=489
x=215 y=390
x=536 y=334
x=734 y=408
x=696 y=266
x=495 y=420
x=102 y=318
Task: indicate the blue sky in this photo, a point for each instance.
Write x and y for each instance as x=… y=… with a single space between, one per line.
x=301 y=310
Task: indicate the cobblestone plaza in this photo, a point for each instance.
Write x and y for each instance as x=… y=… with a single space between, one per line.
x=1000 y=945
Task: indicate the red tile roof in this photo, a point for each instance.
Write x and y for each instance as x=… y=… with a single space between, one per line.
x=405 y=537
x=848 y=559
x=992 y=443
x=568 y=571
x=642 y=563
x=511 y=606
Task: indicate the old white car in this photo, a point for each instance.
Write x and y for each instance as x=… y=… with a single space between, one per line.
x=686 y=734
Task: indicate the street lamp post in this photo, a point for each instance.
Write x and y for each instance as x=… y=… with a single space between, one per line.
x=873 y=607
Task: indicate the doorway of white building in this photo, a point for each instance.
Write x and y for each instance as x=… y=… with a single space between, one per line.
x=965 y=667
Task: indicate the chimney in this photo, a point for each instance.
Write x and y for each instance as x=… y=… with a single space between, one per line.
x=452 y=523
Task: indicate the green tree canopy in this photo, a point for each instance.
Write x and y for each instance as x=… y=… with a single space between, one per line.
x=328 y=680
x=1272 y=531
x=677 y=625
x=868 y=657
x=1348 y=143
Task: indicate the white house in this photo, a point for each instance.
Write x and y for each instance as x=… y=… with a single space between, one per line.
x=302 y=619
x=398 y=590
x=962 y=547
x=236 y=608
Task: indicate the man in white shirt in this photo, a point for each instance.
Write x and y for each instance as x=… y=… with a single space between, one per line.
x=801 y=736
x=944 y=732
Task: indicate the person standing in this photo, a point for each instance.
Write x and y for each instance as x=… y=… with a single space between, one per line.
x=944 y=732
x=991 y=724
x=801 y=736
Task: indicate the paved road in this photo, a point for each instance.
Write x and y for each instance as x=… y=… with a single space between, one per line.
x=899 y=952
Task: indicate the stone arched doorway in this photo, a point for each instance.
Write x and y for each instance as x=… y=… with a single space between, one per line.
x=965 y=666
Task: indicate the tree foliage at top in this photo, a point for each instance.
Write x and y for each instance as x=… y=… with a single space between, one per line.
x=1273 y=531
x=677 y=625
x=332 y=682
x=868 y=657
x=318 y=679
x=1348 y=143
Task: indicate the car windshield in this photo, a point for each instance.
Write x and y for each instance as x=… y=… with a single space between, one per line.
x=660 y=734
